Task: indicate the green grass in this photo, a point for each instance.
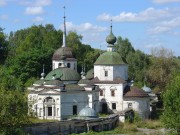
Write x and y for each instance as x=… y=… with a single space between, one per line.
x=150 y=124
x=36 y=120
x=131 y=128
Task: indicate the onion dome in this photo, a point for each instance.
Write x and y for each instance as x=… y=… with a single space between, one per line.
x=62 y=53
x=111 y=39
x=88 y=113
x=63 y=74
x=38 y=83
x=146 y=89
x=109 y=58
x=54 y=83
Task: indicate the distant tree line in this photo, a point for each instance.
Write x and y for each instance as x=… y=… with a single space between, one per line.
x=23 y=53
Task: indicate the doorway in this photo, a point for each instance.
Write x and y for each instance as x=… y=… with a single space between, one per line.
x=104 y=108
x=49 y=111
x=74 y=109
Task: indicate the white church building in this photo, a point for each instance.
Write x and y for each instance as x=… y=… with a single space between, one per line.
x=63 y=93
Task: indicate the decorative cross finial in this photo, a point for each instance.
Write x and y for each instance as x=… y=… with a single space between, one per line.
x=111 y=25
x=42 y=74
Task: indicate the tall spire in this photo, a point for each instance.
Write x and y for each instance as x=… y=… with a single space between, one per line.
x=64 y=32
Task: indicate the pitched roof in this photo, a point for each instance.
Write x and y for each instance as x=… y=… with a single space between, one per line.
x=64 y=74
x=132 y=91
x=109 y=58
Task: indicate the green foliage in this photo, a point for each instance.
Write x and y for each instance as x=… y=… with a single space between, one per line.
x=171 y=100
x=35 y=37
x=124 y=47
x=3 y=46
x=160 y=71
x=13 y=114
x=138 y=63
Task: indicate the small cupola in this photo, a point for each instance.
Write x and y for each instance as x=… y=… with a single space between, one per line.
x=110 y=39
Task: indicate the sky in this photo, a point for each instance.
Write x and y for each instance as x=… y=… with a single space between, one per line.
x=147 y=24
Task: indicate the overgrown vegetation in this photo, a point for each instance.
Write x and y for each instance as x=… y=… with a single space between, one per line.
x=154 y=127
x=171 y=100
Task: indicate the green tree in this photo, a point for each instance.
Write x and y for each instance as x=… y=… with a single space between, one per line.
x=13 y=114
x=123 y=47
x=171 y=100
x=138 y=63
x=163 y=64
x=26 y=66
x=3 y=46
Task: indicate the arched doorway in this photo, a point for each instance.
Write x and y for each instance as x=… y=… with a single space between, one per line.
x=49 y=107
x=104 y=108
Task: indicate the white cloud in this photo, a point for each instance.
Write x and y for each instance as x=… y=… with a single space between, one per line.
x=35 y=2
x=3 y=17
x=43 y=2
x=38 y=19
x=165 y=1
x=16 y=20
x=91 y=33
x=3 y=2
x=34 y=10
x=150 y=14
x=85 y=27
x=165 y=26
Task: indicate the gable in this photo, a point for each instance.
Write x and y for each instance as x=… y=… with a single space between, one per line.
x=48 y=91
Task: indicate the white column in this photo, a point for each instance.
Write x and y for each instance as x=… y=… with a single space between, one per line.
x=53 y=111
x=46 y=111
x=42 y=113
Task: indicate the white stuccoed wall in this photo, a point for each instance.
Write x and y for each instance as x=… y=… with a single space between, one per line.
x=141 y=105
x=114 y=71
x=64 y=102
x=120 y=71
x=118 y=98
x=55 y=64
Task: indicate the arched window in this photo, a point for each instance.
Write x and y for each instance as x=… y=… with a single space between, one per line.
x=68 y=65
x=49 y=103
x=101 y=92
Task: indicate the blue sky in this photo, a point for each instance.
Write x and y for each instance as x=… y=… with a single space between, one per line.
x=146 y=23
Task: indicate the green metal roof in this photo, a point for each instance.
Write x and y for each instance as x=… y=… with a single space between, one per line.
x=54 y=82
x=90 y=74
x=109 y=58
x=64 y=74
x=38 y=82
x=85 y=81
